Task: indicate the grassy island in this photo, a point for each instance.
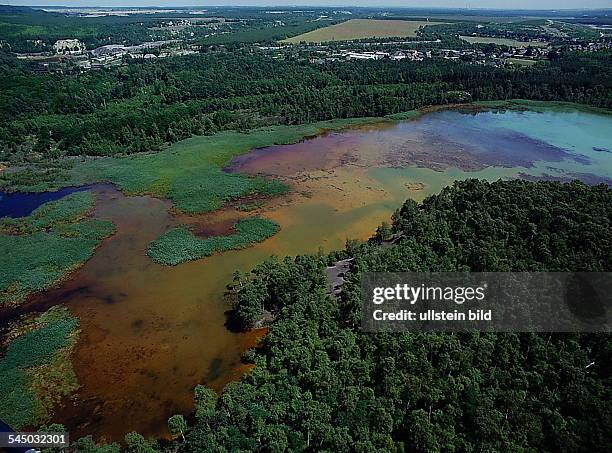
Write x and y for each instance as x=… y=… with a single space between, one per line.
x=179 y=244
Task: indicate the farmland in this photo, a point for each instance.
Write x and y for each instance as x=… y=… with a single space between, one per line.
x=362 y=29
x=521 y=62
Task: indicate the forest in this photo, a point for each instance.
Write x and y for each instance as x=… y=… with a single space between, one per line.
x=140 y=106
x=31 y=30
x=321 y=384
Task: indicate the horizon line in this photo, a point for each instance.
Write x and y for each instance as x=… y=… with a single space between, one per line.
x=300 y=5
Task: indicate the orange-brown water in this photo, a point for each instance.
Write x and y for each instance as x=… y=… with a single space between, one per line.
x=150 y=333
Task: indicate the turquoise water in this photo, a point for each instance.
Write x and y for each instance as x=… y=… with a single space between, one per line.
x=580 y=133
x=561 y=144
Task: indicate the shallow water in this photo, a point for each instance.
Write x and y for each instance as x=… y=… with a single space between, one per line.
x=151 y=333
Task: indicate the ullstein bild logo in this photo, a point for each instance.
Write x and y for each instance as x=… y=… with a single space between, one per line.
x=487 y=301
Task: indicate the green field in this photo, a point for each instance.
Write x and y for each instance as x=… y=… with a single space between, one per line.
x=362 y=29
x=36 y=369
x=42 y=248
x=502 y=41
x=180 y=245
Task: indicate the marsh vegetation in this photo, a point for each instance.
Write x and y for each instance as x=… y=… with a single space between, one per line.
x=179 y=244
x=36 y=368
x=41 y=249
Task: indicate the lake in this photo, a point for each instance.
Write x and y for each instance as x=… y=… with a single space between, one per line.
x=150 y=333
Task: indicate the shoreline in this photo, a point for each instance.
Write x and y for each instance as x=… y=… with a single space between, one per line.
x=310 y=131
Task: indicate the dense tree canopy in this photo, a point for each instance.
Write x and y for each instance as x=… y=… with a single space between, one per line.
x=139 y=106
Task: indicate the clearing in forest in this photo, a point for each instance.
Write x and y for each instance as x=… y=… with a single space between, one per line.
x=502 y=41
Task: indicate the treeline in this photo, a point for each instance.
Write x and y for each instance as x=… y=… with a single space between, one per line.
x=30 y=30
x=139 y=106
x=556 y=32
x=263 y=32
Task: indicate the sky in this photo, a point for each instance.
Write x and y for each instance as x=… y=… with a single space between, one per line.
x=501 y=4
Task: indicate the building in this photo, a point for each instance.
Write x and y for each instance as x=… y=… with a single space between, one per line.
x=68 y=46
x=366 y=55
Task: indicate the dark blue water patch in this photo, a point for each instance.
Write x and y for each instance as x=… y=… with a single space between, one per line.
x=587 y=178
x=601 y=150
x=21 y=204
